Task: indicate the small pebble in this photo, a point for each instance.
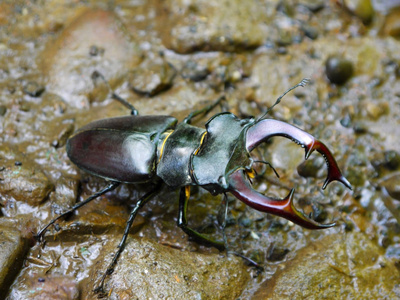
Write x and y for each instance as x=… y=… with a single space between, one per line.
x=33 y=89
x=392 y=186
x=338 y=70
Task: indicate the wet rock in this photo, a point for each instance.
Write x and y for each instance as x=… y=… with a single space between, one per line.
x=314 y=5
x=392 y=160
x=3 y=110
x=147 y=270
x=68 y=61
x=311 y=167
x=188 y=26
x=360 y=127
x=375 y=110
x=52 y=104
x=194 y=71
x=310 y=32
x=346 y=121
x=152 y=77
x=342 y=265
x=392 y=24
x=64 y=132
x=12 y=253
x=276 y=253
x=48 y=287
x=98 y=217
x=338 y=70
x=285 y=156
x=393 y=253
x=33 y=89
x=361 y=8
x=392 y=185
x=24 y=180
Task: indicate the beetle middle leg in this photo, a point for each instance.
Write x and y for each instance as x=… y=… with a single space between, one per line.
x=97 y=75
x=139 y=204
x=183 y=223
x=205 y=110
x=110 y=187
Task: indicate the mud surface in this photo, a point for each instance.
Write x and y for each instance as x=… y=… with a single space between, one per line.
x=172 y=57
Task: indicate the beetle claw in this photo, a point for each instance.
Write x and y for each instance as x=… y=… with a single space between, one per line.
x=334 y=172
x=285 y=208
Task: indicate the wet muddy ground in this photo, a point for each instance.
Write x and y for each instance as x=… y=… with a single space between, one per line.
x=172 y=57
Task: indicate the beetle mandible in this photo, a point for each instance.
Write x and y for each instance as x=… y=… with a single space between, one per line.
x=156 y=148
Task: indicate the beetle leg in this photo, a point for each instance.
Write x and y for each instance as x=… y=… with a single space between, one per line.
x=241 y=189
x=183 y=223
x=264 y=129
x=139 y=204
x=110 y=187
x=205 y=110
x=97 y=75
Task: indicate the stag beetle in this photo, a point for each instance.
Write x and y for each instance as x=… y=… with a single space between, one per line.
x=141 y=149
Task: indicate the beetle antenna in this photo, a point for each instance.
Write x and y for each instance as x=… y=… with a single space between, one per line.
x=96 y=75
x=302 y=83
x=268 y=164
x=223 y=225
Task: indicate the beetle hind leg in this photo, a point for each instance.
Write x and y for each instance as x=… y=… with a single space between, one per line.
x=110 y=187
x=139 y=204
x=183 y=223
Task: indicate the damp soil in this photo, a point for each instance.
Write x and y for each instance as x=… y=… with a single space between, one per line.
x=171 y=58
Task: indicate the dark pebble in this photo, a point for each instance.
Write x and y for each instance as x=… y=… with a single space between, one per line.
x=281 y=50
x=310 y=32
x=360 y=128
x=346 y=121
x=392 y=186
x=392 y=160
x=314 y=5
x=3 y=110
x=310 y=167
x=94 y=51
x=33 y=89
x=276 y=253
x=338 y=70
x=194 y=71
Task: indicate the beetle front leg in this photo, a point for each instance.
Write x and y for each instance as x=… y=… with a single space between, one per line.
x=184 y=196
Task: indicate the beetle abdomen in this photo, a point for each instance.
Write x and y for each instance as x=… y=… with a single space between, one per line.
x=121 y=149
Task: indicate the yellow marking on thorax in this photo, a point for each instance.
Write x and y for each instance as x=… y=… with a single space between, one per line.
x=201 y=143
x=163 y=144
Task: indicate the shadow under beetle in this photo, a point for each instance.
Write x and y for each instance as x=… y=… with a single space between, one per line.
x=140 y=149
